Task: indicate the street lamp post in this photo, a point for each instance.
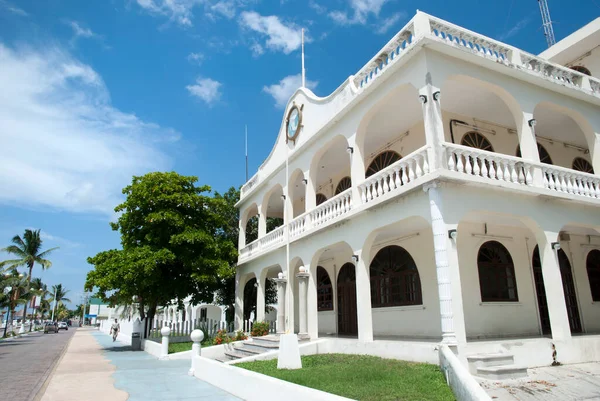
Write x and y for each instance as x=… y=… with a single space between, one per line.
x=54 y=308
x=7 y=291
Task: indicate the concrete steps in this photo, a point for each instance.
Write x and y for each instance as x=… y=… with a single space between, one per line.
x=496 y=366
x=258 y=345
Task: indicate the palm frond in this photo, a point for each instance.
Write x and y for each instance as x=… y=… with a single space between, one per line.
x=18 y=241
x=47 y=252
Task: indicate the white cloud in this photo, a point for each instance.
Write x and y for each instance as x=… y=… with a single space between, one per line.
x=257 y=49
x=360 y=12
x=64 y=146
x=80 y=31
x=225 y=8
x=389 y=22
x=319 y=9
x=515 y=29
x=179 y=11
x=196 y=58
x=282 y=91
x=206 y=89
x=279 y=36
x=13 y=9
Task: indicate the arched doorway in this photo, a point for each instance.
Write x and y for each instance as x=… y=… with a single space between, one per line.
x=540 y=291
x=346 y=289
x=394 y=279
x=497 y=280
x=569 y=290
x=250 y=292
x=593 y=270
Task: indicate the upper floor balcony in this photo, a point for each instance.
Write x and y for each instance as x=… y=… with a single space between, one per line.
x=463 y=108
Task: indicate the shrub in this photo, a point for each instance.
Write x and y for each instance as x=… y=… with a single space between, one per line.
x=221 y=338
x=260 y=329
x=239 y=336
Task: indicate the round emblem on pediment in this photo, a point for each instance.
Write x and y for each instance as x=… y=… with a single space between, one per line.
x=294 y=123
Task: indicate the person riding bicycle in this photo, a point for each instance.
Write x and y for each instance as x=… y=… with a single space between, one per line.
x=114 y=329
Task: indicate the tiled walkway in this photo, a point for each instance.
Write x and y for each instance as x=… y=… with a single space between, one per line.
x=145 y=378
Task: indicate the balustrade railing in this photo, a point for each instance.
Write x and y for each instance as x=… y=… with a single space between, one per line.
x=391 y=178
x=249 y=249
x=486 y=164
x=389 y=54
x=332 y=208
x=298 y=226
x=249 y=185
x=572 y=182
x=460 y=37
x=274 y=237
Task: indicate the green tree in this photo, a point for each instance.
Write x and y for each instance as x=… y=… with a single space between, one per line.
x=19 y=294
x=173 y=245
x=39 y=289
x=28 y=252
x=59 y=296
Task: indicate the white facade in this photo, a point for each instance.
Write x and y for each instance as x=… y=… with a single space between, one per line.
x=492 y=147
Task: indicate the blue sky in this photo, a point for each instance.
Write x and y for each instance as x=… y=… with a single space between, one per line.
x=93 y=92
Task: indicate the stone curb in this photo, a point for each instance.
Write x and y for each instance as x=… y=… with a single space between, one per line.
x=40 y=389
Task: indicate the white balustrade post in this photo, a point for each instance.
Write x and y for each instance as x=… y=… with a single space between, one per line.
x=197 y=336
x=422 y=27
x=281 y=282
x=302 y=296
x=165 y=332
x=440 y=247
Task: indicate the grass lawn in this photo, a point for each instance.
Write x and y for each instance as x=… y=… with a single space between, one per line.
x=187 y=346
x=362 y=377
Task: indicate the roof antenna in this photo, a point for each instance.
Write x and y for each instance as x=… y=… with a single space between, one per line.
x=547 y=23
x=303 y=70
x=246 y=153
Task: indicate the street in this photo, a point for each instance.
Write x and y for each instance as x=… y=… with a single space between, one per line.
x=27 y=361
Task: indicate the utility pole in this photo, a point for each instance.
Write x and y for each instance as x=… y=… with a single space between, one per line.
x=54 y=308
x=547 y=22
x=85 y=301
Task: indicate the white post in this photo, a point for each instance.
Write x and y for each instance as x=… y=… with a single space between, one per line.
x=261 y=285
x=281 y=281
x=302 y=289
x=364 y=314
x=303 y=70
x=197 y=336
x=440 y=243
x=164 y=345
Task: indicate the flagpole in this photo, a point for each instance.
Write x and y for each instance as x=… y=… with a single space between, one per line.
x=303 y=70
x=246 y=153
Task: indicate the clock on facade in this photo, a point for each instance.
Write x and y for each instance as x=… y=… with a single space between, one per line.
x=294 y=122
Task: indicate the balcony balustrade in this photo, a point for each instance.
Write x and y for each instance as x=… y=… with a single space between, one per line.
x=570 y=181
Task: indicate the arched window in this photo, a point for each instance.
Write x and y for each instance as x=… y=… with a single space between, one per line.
x=544 y=155
x=582 y=69
x=476 y=140
x=580 y=164
x=324 y=290
x=497 y=280
x=394 y=279
x=344 y=184
x=381 y=161
x=321 y=198
x=593 y=270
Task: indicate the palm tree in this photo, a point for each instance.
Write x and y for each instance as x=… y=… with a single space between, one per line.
x=59 y=295
x=39 y=289
x=19 y=294
x=28 y=251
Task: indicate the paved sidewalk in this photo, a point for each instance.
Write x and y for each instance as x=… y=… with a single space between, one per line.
x=561 y=383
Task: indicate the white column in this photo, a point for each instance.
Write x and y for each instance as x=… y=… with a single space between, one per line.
x=528 y=145
x=242 y=234
x=281 y=282
x=260 y=299
x=357 y=169
x=312 y=307
x=239 y=303
x=262 y=222
x=440 y=248
x=363 y=299
x=302 y=307
x=456 y=283
x=433 y=124
x=555 y=296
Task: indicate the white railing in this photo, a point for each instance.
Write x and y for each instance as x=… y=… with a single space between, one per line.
x=393 y=177
x=570 y=181
x=386 y=56
x=274 y=237
x=332 y=208
x=299 y=225
x=460 y=37
x=249 y=249
x=563 y=75
x=486 y=164
x=249 y=185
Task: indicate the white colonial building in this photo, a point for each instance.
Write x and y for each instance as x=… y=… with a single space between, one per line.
x=445 y=192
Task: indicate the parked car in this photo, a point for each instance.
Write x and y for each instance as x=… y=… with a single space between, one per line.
x=63 y=326
x=50 y=327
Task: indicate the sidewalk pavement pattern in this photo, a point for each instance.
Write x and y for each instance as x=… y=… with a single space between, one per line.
x=107 y=370
x=559 y=383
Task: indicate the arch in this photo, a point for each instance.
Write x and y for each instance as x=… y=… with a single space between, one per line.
x=580 y=164
x=395 y=279
x=570 y=292
x=344 y=184
x=273 y=208
x=320 y=198
x=540 y=291
x=248 y=225
x=381 y=161
x=542 y=152
x=581 y=69
x=324 y=290
x=297 y=193
x=476 y=140
x=330 y=163
x=497 y=281
x=592 y=265
x=250 y=298
x=346 y=290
